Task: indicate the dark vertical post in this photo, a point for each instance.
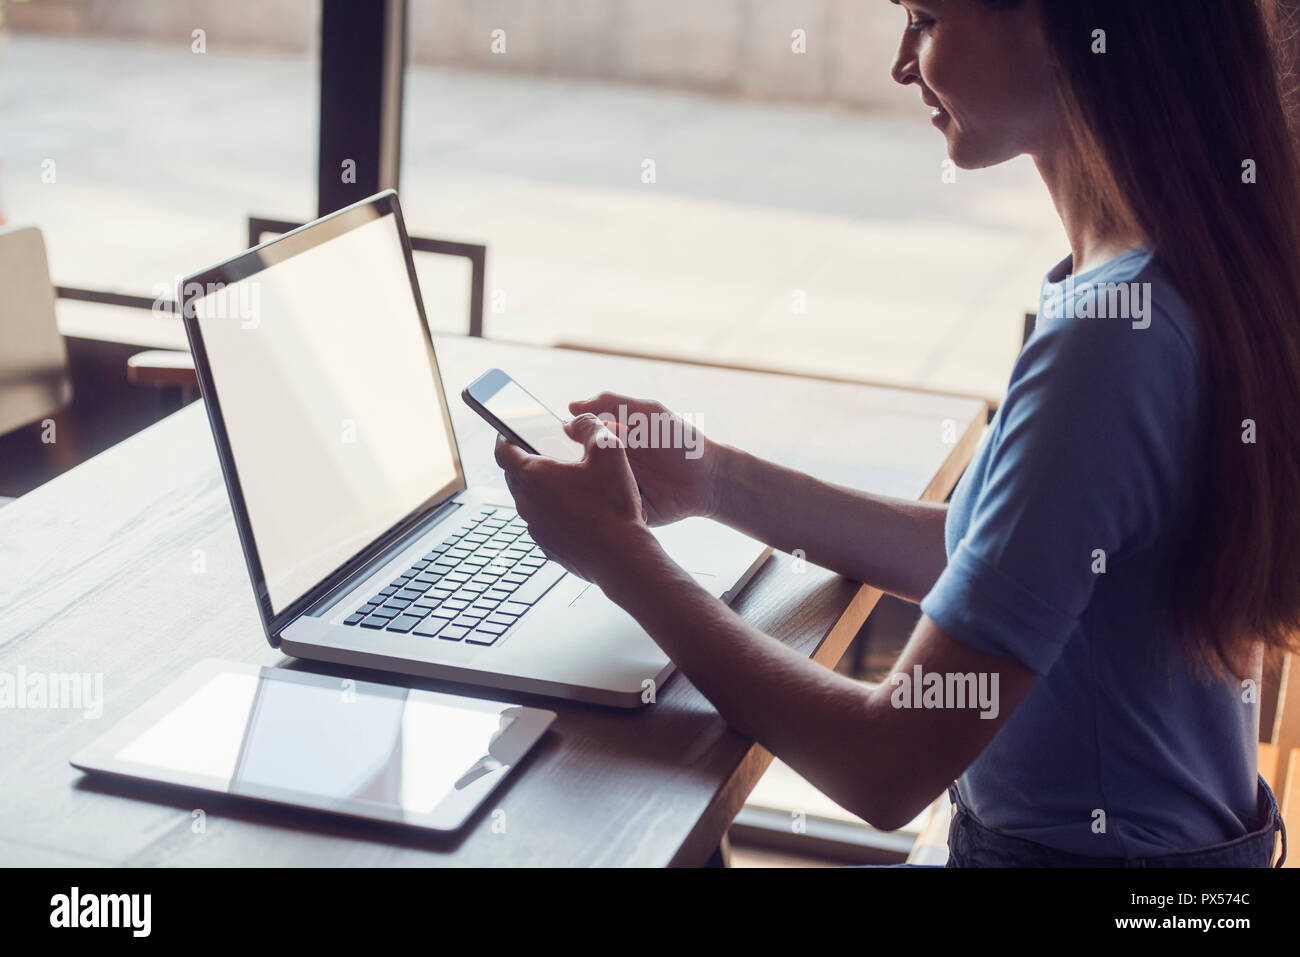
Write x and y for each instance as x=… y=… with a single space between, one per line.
x=362 y=70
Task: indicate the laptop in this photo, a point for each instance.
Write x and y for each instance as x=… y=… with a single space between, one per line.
x=364 y=543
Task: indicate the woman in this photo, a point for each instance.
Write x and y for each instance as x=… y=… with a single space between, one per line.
x=1128 y=535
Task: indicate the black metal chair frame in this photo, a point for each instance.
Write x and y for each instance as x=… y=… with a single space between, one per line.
x=259 y=226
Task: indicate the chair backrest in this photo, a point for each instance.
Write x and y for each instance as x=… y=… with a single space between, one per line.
x=34 y=377
x=1285 y=736
x=1279 y=757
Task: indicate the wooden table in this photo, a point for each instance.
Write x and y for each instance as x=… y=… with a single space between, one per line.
x=128 y=567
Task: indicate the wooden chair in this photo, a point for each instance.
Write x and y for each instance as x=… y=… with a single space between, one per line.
x=35 y=380
x=1279 y=756
x=34 y=377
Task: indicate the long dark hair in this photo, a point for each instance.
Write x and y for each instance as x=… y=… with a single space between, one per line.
x=1185 y=131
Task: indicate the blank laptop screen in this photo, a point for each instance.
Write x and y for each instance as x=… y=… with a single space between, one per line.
x=333 y=410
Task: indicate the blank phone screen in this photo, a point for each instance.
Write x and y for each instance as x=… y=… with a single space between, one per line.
x=533 y=422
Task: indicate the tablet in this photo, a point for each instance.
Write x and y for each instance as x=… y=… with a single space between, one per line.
x=357 y=748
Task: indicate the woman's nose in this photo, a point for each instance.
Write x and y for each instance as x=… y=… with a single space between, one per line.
x=904 y=68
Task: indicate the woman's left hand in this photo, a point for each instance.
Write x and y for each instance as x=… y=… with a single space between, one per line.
x=586 y=514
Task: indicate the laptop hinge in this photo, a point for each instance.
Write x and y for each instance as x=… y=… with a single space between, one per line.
x=341 y=591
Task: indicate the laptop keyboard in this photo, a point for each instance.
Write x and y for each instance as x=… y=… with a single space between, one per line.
x=472 y=586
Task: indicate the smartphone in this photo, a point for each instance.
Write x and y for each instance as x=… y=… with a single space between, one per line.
x=520 y=416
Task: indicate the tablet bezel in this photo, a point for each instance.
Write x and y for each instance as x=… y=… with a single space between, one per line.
x=449 y=815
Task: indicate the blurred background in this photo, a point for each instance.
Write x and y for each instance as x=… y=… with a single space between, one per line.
x=731 y=181
x=798 y=216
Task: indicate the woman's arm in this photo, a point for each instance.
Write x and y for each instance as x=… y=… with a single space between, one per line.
x=894 y=544
x=880 y=761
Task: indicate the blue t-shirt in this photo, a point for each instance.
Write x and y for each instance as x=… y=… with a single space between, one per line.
x=1058 y=538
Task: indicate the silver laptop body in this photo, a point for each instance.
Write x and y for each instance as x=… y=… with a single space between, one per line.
x=336 y=443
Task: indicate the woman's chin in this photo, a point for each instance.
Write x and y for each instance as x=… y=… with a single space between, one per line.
x=963 y=156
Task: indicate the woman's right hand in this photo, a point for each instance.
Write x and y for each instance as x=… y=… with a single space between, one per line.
x=677 y=481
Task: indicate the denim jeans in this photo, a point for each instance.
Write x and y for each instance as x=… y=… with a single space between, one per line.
x=971 y=843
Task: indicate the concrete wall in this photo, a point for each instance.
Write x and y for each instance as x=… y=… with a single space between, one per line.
x=268 y=25
x=736 y=47
x=727 y=46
